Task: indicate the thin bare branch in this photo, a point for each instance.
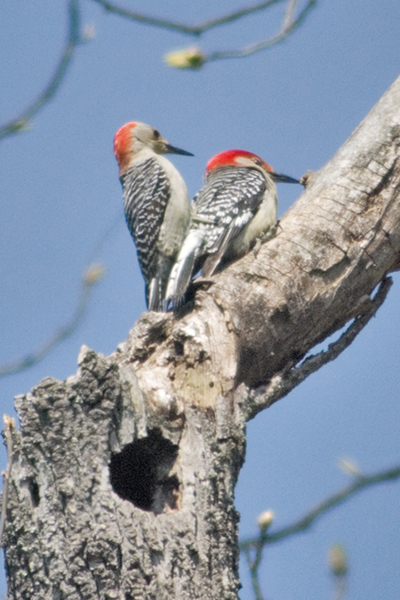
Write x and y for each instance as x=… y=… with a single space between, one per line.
x=289 y=14
x=91 y=276
x=289 y=25
x=340 y=588
x=283 y=383
x=253 y=568
x=7 y=435
x=308 y=520
x=22 y=121
x=339 y=568
x=181 y=27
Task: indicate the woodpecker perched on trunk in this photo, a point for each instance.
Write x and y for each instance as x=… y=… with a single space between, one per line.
x=236 y=206
x=156 y=203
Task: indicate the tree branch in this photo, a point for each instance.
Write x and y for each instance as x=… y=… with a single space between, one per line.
x=22 y=121
x=305 y=523
x=253 y=565
x=181 y=27
x=283 y=383
x=289 y=25
x=289 y=14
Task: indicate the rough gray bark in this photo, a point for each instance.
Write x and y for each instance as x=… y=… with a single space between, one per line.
x=123 y=476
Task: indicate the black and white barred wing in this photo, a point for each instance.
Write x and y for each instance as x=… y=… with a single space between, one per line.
x=226 y=204
x=146 y=195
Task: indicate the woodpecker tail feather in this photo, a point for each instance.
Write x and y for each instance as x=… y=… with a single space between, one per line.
x=156 y=290
x=182 y=271
x=153 y=294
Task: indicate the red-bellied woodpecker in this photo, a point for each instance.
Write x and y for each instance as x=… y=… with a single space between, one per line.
x=156 y=203
x=236 y=206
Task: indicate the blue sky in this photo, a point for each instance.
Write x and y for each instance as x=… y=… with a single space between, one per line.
x=294 y=105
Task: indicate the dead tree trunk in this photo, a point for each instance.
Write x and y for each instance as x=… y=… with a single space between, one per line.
x=123 y=476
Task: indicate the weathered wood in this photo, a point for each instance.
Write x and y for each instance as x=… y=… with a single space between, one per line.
x=69 y=535
x=123 y=476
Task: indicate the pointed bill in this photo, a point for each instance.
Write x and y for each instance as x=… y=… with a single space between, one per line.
x=172 y=150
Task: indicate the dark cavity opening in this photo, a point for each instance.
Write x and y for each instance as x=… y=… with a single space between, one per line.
x=140 y=473
x=34 y=492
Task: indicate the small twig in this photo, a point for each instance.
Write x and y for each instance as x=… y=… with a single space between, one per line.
x=253 y=568
x=340 y=588
x=282 y=383
x=21 y=122
x=289 y=25
x=91 y=276
x=7 y=434
x=181 y=27
x=289 y=14
x=264 y=522
x=305 y=522
x=339 y=568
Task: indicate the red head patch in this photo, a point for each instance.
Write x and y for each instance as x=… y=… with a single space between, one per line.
x=230 y=158
x=123 y=144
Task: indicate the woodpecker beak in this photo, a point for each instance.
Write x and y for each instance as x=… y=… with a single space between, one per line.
x=168 y=149
x=172 y=150
x=279 y=178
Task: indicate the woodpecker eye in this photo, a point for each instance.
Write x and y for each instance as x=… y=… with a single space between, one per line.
x=156 y=134
x=257 y=161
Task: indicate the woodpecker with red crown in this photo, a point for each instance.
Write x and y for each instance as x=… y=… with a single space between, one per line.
x=156 y=203
x=236 y=206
